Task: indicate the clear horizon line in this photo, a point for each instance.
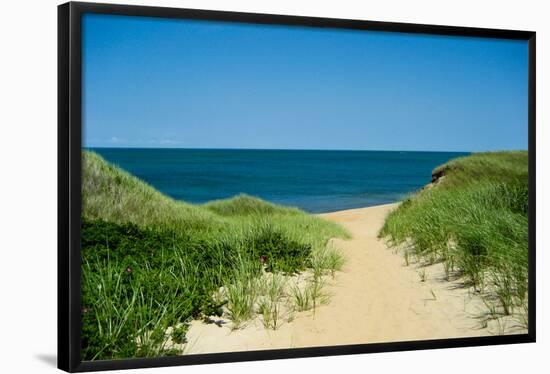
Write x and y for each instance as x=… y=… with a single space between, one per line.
x=297 y=149
x=280 y=149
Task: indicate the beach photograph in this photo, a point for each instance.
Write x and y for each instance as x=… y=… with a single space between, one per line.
x=253 y=187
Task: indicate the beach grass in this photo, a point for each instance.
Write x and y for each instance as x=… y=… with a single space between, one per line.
x=473 y=218
x=150 y=264
x=273 y=289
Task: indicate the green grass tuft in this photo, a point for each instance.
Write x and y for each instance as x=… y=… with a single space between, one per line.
x=244 y=205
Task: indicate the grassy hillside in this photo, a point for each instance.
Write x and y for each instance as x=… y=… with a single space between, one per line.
x=473 y=218
x=151 y=263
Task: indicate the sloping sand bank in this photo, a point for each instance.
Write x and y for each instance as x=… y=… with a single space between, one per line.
x=375 y=298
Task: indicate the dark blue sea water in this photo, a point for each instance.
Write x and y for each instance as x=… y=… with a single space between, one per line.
x=316 y=181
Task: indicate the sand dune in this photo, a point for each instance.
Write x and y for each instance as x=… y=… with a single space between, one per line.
x=375 y=298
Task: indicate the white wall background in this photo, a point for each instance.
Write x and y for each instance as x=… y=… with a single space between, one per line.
x=28 y=183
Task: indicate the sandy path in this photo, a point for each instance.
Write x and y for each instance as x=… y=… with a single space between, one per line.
x=375 y=298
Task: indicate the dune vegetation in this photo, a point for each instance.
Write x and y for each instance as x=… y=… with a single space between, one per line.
x=150 y=264
x=472 y=218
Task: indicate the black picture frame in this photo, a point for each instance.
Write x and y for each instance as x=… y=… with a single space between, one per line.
x=69 y=184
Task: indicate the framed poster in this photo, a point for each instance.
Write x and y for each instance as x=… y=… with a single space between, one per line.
x=238 y=186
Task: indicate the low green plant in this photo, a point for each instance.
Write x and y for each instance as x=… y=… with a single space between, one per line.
x=272 y=289
x=318 y=294
x=309 y=296
x=326 y=260
x=179 y=332
x=241 y=291
x=277 y=252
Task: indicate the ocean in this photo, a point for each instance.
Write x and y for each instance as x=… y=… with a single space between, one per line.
x=315 y=181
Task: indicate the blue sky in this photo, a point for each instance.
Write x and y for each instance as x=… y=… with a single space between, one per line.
x=150 y=82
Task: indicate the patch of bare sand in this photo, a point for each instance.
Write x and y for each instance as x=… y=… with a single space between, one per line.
x=375 y=298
